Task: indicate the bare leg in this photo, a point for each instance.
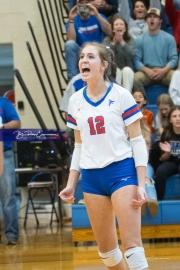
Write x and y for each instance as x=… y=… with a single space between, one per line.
x=129 y=218
x=102 y=220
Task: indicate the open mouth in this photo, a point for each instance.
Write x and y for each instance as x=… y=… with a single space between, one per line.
x=85 y=70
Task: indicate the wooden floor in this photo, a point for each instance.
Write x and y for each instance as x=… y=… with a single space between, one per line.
x=51 y=248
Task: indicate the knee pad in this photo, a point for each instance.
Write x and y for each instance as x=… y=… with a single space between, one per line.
x=135 y=258
x=112 y=257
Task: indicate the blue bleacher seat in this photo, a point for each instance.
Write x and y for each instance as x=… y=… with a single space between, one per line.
x=153 y=108
x=154 y=91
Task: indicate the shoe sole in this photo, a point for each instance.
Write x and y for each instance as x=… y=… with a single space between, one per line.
x=143 y=209
x=153 y=207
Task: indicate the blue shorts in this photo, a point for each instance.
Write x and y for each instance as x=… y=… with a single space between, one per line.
x=107 y=180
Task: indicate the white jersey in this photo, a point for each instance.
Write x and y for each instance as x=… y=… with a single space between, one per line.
x=102 y=125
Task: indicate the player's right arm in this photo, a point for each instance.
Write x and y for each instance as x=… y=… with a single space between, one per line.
x=67 y=194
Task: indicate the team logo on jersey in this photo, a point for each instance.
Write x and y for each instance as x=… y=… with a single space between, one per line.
x=111 y=102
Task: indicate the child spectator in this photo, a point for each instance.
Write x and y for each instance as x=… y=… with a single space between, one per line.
x=124 y=48
x=170 y=145
x=164 y=104
x=140 y=98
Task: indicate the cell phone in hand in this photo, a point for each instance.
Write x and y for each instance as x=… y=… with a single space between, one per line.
x=82 y=9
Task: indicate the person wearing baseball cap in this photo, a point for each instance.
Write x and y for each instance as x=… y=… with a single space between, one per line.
x=155 y=11
x=156 y=56
x=136 y=21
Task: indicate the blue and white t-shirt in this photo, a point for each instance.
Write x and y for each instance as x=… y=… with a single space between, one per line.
x=88 y=30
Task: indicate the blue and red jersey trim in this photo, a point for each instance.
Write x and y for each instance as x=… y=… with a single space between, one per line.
x=130 y=112
x=71 y=120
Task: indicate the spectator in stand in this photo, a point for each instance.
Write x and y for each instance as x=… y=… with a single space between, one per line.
x=137 y=25
x=124 y=48
x=109 y=8
x=170 y=146
x=85 y=24
x=156 y=56
x=148 y=4
x=174 y=87
x=174 y=18
x=140 y=98
x=164 y=104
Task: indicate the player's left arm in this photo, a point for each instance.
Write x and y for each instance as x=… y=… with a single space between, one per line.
x=140 y=158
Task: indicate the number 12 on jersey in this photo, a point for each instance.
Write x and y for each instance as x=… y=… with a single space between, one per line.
x=96 y=125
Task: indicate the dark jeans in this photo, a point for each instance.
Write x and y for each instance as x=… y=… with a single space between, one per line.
x=164 y=171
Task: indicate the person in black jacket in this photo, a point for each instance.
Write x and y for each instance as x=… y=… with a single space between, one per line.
x=170 y=146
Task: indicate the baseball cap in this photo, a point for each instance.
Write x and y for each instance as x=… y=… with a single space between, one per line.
x=155 y=11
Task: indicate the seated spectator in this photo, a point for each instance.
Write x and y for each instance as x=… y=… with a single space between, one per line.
x=156 y=56
x=152 y=203
x=174 y=87
x=109 y=8
x=174 y=18
x=170 y=146
x=140 y=98
x=124 y=48
x=137 y=25
x=164 y=104
x=149 y=4
x=85 y=24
